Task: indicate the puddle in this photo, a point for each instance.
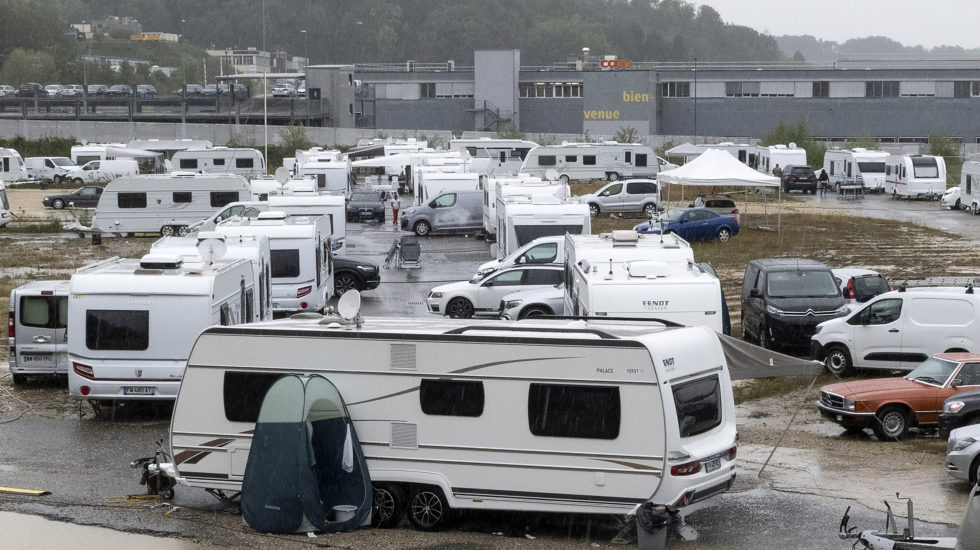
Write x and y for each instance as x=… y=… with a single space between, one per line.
x=25 y=532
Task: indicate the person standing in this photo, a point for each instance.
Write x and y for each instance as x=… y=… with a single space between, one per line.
x=824 y=180
x=777 y=171
x=395 y=203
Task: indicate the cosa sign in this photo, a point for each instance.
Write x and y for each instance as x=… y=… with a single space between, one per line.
x=616 y=63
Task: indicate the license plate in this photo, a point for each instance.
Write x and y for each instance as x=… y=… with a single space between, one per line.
x=36 y=358
x=139 y=391
x=712 y=465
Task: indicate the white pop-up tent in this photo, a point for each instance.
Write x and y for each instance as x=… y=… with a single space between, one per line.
x=715 y=167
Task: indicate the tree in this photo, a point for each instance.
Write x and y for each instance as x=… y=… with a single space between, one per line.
x=293 y=137
x=786 y=133
x=627 y=135
x=865 y=141
x=509 y=131
x=29 y=66
x=798 y=57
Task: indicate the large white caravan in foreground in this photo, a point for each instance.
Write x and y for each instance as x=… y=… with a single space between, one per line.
x=492 y=156
x=522 y=219
x=856 y=166
x=583 y=161
x=590 y=417
x=132 y=322
x=915 y=176
x=495 y=190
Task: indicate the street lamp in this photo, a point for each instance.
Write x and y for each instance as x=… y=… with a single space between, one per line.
x=306 y=49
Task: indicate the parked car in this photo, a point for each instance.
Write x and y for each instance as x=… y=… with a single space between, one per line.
x=353 y=274
x=722 y=204
x=53 y=90
x=30 y=89
x=543 y=250
x=97 y=89
x=240 y=91
x=301 y=91
x=457 y=212
x=365 y=205
x=210 y=90
x=784 y=299
x=535 y=302
x=693 y=224
x=146 y=90
x=284 y=89
x=858 y=285
x=83 y=197
x=482 y=296
x=192 y=90
x=890 y=406
x=120 y=90
x=632 y=195
x=799 y=177
x=72 y=90
x=960 y=410
x=963 y=454
x=7 y=90
x=951 y=198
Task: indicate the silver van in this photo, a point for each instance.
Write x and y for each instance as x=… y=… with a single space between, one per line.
x=38 y=334
x=455 y=212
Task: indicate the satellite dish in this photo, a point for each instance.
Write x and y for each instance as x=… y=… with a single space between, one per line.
x=282 y=175
x=349 y=305
x=551 y=174
x=211 y=249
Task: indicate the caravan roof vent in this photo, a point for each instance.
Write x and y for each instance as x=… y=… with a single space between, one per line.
x=272 y=215
x=646 y=268
x=625 y=237
x=203 y=235
x=160 y=261
x=182 y=174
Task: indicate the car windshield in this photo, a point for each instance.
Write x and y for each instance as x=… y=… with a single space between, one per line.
x=810 y=283
x=62 y=161
x=674 y=214
x=933 y=371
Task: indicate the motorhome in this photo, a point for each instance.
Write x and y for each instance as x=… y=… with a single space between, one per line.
x=101 y=171
x=915 y=176
x=492 y=156
x=522 y=219
x=856 y=166
x=302 y=264
x=496 y=189
x=429 y=184
x=207 y=246
x=580 y=417
x=582 y=161
x=48 y=168
x=38 y=329
x=132 y=322
x=164 y=203
x=333 y=177
x=233 y=160
x=970 y=187
x=5 y=215
x=625 y=274
x=12 y=167
x=150 y=162
x=767 y=157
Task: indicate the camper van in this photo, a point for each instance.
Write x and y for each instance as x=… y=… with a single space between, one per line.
x=915 y=176
x=302 y=264
x=970 y=187
x=584 y=161
x=242 y=161
x=38 y=329
x=150 y=162
x=101 y=171
x=495 y=190
x=492 y=156
x=132 y=322
x=856 y=166
x=583 y=417
x=12 y=167
x=48 y=168
x=521 y=219
x=207 y=246
x=768 y=156
x=164 y=203
x=429 y=184
x=5 y=215
x=450 y=212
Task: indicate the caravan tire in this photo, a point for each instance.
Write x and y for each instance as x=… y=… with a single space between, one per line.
x=563 y=179
x=613 y=176
x=386 y=510
x=427 y=508
x=593 y=209
x=167 y=231
x=181 y=231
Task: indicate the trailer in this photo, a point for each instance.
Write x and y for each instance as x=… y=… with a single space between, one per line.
x=150 y=162
x=584 y=161
x=522 y=219
x=243 y=161
x=970 y=187
x=915 y=176
x=5 y=215
x=496 y=189
x=856 y=166
x=493 y=156
x=767 y=157
x=12 y=167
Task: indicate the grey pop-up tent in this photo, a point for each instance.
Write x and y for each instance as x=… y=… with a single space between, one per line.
x=305 y=469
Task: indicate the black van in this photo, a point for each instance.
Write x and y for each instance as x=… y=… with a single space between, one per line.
x=784 y=299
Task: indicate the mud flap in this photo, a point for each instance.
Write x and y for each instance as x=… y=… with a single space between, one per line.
x=651 y=526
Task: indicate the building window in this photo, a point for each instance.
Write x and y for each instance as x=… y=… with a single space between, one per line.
x=451 y=397
x=821 y=88
x=559 y=410
x=742 y=89
x=131 y=200
x=881 y=88
x=182 y=196
x=550 y=89
x=546 y=160
x=676 y=89
x=427 y=89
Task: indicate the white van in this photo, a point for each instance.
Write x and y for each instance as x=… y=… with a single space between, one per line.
x=240 y=160
x=898 y=330
x=302 y=263
x=5 y=215
x=101 y=171
x=49 y=168
x=915 y=176
x=132 y=322
x=12 y=166
x=582 y=161
x=164 y=203
x=38 y=329
x=429 y=184
x=520 y=220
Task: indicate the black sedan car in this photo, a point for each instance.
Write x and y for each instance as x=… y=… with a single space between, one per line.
x=365 y=205
x=31 y=89
x=959 y=410
x=353 y=274
x=83 y=197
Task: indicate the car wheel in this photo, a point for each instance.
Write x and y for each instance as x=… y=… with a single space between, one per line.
x=182 y=231
x=976 y=208
x=459 y=308
x=724 y=234
x=167 y=231
x=650 y=210
x=535 y=311
x=78 y=182
x=427 y=509
x=58 y=204
x=386 y=509
x=422 y=228
x=345 y=281
x=975 y=471
x=956 y=205
x=891 y=423
x=56 y=180
x=613 y=176
x=563 y=179
x=593 y=210
x=19 y=379
x=838 y=361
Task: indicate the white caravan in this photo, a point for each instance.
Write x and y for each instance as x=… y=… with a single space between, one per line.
x=329 y=177
x=856 y=166
x=5 y=215
x=38 y=329
x=492 y=156
x=233 y=160
x=915 y=176
x=132 y=322
x=768 y=156
x=536 y=415
x=12 y=167
x=429 y=185
x=745 y=153
x=167 y=147
x=101 y=171
x=149 y=161
x=522 y=219
x=302 y=264
x=625 y=274
x=205 y=247
x=164 y=203
x=970 y=186
x=48 y=168
x=583 y=161
x=519 y=186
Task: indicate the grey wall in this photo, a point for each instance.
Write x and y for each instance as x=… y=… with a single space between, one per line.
x=616 y=99
x=436 y=114
x=496 y=76
x=551 y=115
x=337 y=91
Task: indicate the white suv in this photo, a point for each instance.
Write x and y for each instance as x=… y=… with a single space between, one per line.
x=482 y=296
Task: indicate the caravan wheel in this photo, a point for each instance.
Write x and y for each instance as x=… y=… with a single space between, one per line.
x=182 y=231
x=427 y=509
x=167 y=231
x=386 y=509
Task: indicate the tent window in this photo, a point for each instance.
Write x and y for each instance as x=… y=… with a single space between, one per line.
x=244 y=392
x=557 y=410
x=451 y=397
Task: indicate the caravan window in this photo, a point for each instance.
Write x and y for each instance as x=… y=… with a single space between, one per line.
x=244 y=163
x=558 y=410
x=3 y=199
x=451 y=397
x=131 y=200
x=925 y=167
x=217 y=162
x=588 y=160
x=244 y=392
x=698 y=405
x=641 y=159
x=285 y=263
x=188 y=164
x=571 y=158
x=222 y=198
x=182 y=196
x=546 y=160
x=123 y=330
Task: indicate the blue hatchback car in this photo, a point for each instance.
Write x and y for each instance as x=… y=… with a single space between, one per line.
x=694 y=224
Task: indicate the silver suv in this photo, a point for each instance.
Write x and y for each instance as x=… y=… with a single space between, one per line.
x=632 y=195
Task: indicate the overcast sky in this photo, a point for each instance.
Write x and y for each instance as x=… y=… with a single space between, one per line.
x=911 y=22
